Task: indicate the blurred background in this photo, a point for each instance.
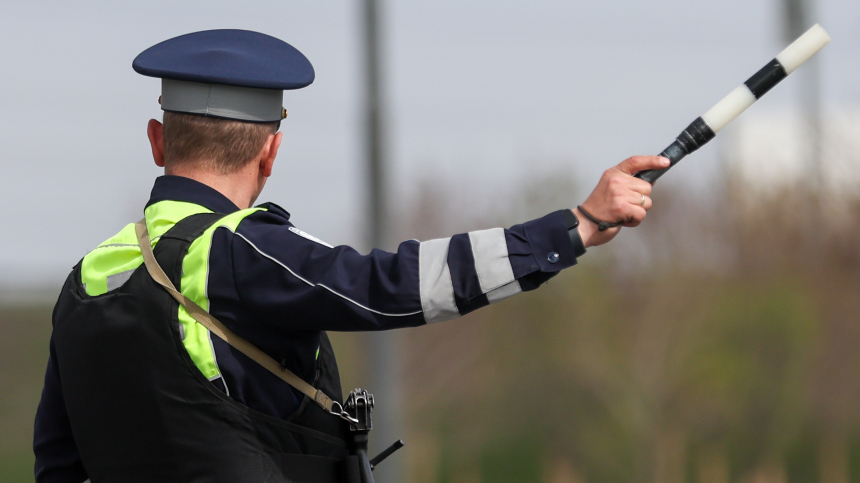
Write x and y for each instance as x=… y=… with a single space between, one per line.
x=719 y=342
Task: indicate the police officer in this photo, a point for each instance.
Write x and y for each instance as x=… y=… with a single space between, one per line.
x=139 y=389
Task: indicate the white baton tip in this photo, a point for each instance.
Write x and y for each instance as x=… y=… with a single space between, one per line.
x=803 y=48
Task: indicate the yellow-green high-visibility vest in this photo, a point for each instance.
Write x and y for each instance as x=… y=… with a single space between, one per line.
x=111 y=264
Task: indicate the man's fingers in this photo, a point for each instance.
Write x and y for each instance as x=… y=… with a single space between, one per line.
x=640 y=186
x=637 y=215
x=636 y=164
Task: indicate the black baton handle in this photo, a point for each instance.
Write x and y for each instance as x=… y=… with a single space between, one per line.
x=697 y=134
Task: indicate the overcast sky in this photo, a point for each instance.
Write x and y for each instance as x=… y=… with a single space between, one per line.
x=480 y=94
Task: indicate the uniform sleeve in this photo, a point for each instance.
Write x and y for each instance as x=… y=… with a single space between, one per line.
x=290 y=279
x=57 y=458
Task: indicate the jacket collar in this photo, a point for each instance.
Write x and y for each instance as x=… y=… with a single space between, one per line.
x=178 y=188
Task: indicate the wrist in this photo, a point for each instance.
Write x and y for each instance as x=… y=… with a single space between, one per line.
x=586 y=228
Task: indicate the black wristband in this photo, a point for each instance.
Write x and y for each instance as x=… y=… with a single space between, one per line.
x=573 y=231
x=601 y=225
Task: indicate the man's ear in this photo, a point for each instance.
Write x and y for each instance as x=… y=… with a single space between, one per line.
x=155 y=132
x=269 y=153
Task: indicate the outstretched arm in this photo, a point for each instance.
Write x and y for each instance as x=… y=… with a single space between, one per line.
x=292 y=282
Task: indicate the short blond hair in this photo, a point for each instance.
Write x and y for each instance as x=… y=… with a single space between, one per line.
x=221 y=145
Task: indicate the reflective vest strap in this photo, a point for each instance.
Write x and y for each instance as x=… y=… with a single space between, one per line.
x=219 y=329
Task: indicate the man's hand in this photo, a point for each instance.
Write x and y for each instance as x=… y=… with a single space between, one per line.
x=618 y=197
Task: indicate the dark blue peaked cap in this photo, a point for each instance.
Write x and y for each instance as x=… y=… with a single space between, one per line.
x=232 y=74
x=229 y=57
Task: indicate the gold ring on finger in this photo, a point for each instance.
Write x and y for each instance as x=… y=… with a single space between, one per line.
x=642 y=201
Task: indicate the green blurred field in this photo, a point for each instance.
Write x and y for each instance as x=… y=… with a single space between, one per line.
x=24 y=333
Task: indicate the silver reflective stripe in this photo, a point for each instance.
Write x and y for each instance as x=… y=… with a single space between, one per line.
x=135 y=245
x=217 y=367
x=219 y=376
x=110 y=245
x=116 y=280
x=504 y=292
x=491 y=258
x=434 y=281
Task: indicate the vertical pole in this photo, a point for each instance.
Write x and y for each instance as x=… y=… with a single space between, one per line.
x=383 y=350
x=797 y=19
x=373 y=126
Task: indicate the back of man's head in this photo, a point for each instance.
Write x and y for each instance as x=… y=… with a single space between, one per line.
x=222 y=146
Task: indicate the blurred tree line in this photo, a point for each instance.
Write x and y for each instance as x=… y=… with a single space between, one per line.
x=719 y=342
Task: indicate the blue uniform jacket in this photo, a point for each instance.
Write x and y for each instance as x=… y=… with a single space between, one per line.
x=279 y=287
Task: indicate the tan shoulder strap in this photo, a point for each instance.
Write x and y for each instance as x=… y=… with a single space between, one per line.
x=219 y=329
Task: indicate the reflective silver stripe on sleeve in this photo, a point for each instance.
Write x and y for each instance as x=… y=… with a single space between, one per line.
x=116 y=280
x=504 y=292
x=434 y=281
x=491 y=258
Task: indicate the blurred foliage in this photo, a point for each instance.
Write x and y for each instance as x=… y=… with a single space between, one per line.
x=719 y=342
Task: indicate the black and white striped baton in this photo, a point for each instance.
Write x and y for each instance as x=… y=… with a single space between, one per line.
x=704 y=128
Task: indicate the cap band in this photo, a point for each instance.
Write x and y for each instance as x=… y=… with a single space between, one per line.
x=229 y=102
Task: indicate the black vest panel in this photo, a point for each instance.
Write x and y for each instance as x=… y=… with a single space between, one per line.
x=141 y=411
